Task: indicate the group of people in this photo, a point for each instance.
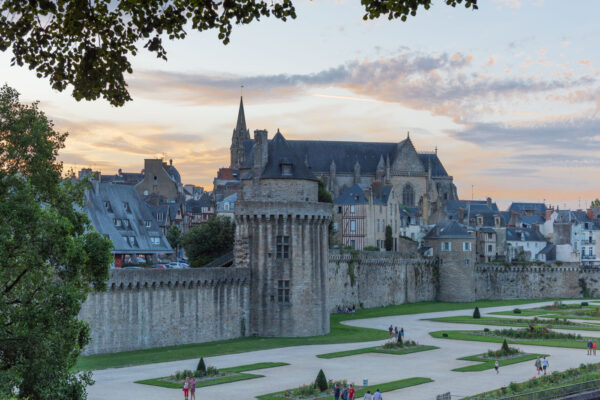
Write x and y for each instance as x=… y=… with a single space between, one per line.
x=395 y=333
x=189 y=386
x=347 y=393
x=591 y=346
x=541 y=365
x=346 y=309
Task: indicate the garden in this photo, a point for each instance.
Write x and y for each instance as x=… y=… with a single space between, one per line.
x=585 y=372
x=506 y=355
x=562 y=323
x=209 y=375
x=560 y=310
x=391 y=347
x=322 y=389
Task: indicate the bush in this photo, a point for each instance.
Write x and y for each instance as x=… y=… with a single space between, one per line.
x=444 y=335
x=486 y=329
x=584 y=304
x=517 y=311
x=505 y=347
x=371 y=248
x=321 y=381
x=476 y=313
x=201 y=366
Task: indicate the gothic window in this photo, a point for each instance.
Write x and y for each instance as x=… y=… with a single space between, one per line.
x=283 y=291
x=283 y=247
x=408 y=196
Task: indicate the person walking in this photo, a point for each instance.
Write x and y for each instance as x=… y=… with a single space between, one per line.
x=545 y=364
x=538 y=366
x=336 y=391
x=377 y=395
x=391 y=331
x=594 y=347
x=368 y=396
x=402 y=333
x=351 y=392
x=345 y=393
x=193 y=389
x=396 y=333
x=186 y=387
x=497 y=367
x=589 y=353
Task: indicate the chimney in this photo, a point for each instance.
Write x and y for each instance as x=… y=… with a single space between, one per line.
x=549 y=212
x=171 y=162
x=590 y=213
x=261 y=152
x=461 y=215
x=489 y=202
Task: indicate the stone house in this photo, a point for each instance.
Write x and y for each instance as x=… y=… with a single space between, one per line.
x=161 y=179
x=524 y=244
x=226 y=207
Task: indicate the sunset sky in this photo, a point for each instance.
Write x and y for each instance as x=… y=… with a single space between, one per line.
x=509 y=94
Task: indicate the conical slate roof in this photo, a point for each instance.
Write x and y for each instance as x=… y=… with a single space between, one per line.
x=241 y=120
x=280 y=153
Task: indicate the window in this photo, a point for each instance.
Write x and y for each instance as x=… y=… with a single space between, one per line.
x=131 y=241
x=126 y=224
x=283 y=247
x=352 y=226
x=283 y=291
x=160 y=216
x=335 y=226
x=353 y=244
x=466 y=246
x=378 y=230
x=155 y=240
x=408 y=196
x=339 y=209
x=117 y=222
x=490 y=248
x=446 y=246
x=490 y=236
x=147 y=223
x=226 y=206
x=126 y=207
x=286 y=169
x=467 y=261
x=352 y=208
x=107 y=206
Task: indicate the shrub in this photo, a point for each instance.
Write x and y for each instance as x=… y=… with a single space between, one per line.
x=201 y=366
x=444 y=335
x=371 y=248
x=476 y=313
x=505 y=347
x=584 y=304
x=486 y=329
x=517 y=311
x=321 y=381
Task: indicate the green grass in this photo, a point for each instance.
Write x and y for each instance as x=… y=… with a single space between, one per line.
x=384 y=387
x=489 y=363
x=220 y=380
x=376 y=350
x=339 y=333
x=512 y=322
x=466 y=335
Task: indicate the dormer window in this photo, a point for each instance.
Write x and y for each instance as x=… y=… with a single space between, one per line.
x=117 y=222
x=126 y=207
x=107 y=206
x=148 y=223
x=286 y=168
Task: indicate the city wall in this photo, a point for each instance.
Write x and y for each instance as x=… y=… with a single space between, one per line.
x=374 y=279
x=153 y=308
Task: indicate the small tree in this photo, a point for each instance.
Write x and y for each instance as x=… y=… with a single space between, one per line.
x=201 y=366
x=505 y=348
x=174 y=238
x=323 y=195
x=476 y=313
x=321 y=381
x=389 y=241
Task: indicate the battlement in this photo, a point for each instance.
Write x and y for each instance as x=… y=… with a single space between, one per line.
x=291 y=209
x=527 y=268
x=375 y=257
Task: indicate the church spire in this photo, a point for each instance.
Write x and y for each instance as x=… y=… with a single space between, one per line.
x=240 y=135
x=241 y=120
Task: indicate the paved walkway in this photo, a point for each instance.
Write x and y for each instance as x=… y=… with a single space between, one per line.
x=117 y=384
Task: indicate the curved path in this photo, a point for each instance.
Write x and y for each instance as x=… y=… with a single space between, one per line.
x=117 y=384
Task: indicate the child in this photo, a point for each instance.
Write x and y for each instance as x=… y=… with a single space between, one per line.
x=351 y=392
x=497 y=367
x=186 y=387
x=193 y=389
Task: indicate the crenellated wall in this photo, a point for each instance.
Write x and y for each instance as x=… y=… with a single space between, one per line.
x=153 y=308
x=372 y=279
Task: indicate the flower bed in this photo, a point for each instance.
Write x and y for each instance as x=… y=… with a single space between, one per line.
x=537 y=332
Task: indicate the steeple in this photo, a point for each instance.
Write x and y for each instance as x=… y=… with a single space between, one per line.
x=241 y=120
x=240 y=135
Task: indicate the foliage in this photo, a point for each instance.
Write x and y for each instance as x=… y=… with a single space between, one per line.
x=208 y=241
x=174 y=237
x=201 y=366
x=321 y=381
x=534 y=332
x=324 y=196
x=389 y=239
x=517 y=311
x=89 y=44
x=584 y=304
x=50 y=259
x=476 y=313
x=505 y=349
x=595 y=203
x=585 y=291
x=371 y=248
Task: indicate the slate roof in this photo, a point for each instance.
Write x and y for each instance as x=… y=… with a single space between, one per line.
x=532 y=219
x=537 y=208
x=487 y=230
x=319 y=154
x=448 y=230
x=549 y=250
x=281 y=153
x=355 y=194
x=103 y=219
x=524 y=235
x=195 y=206
x=473 y=208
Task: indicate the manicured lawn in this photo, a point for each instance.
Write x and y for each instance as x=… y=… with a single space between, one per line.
x=384 y=387
x=489 y=363
x=515 y=322
x=339 y=333
x=407 y=350
x=467 y=335
x=219 y=380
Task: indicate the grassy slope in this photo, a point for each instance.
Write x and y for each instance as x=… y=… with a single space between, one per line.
x=464 y=335
x=510 y=322
x=384 y=387
x=376 y=350
x=489 y=364
x=220 y=380
x=339 y=333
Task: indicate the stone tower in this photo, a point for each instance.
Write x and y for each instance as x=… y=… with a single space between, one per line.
x=282 y=236
x=240 y=135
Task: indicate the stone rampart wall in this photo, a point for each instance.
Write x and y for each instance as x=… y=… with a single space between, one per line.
x=534 y=282
x=143 y=309
x=373 y=279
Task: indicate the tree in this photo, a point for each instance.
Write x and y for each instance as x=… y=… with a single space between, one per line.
x=89 y=44
x=324 y=196
x=389 y=239
x=201 y=366
x=174 y=238
x=50 y=258
x=476 y=313
x=321 y=381
x=595 y=203
x=208 y=241
x=505 y=348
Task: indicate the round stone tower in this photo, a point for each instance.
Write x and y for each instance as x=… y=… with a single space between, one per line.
x=282 y=236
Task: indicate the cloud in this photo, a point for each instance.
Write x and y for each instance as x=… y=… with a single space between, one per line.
x=510 y=3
